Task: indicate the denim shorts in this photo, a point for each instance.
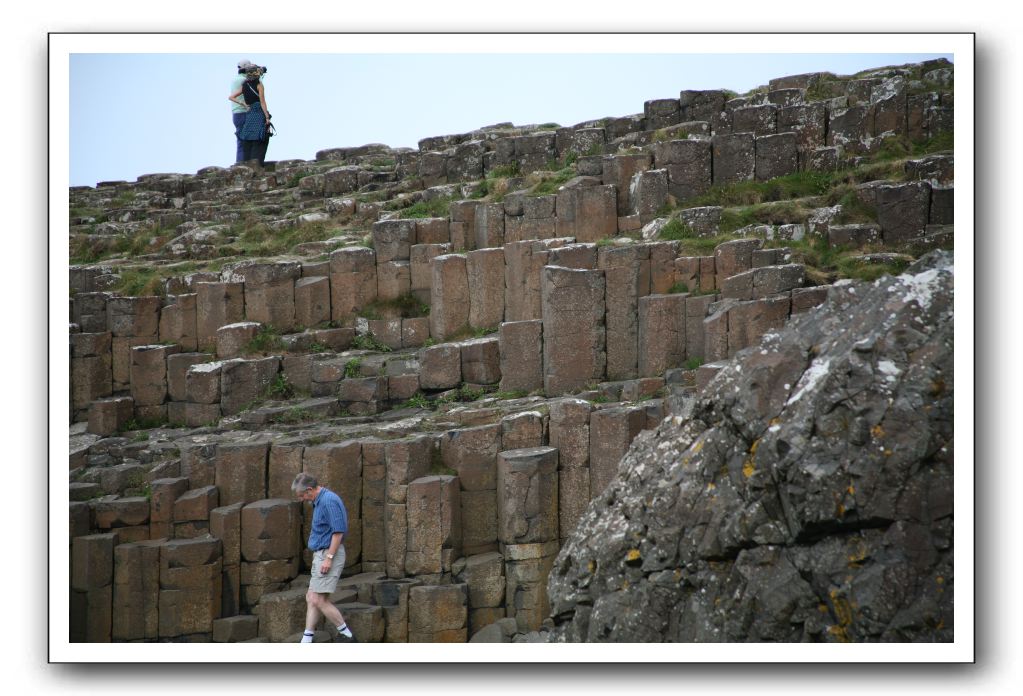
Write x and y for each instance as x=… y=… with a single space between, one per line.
x=326 y=583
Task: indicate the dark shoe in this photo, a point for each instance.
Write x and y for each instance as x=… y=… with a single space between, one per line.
x=342 y=638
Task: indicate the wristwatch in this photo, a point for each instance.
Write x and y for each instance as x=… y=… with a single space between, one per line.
x=330 y=557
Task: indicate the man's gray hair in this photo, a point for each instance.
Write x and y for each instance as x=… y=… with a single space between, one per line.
x=302 y=482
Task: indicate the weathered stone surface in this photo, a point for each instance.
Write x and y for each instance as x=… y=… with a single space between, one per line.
x=776 y=155
x=233 y=339
x=216 y=305
x=312 y=301
x=522 y=430
x=903 y=210
x=481 y=360
x=853 y=236
x=353 y=281
x=662 y=333
x=149 y=374
x=440 y=366
x=393 y=239
x=734 y=257
x=241 y=471
x=235 y=629
x=133 y=316
x=527 y=495
x=281 y=614
x=270 y=530
x=243 y=382
x=523 y=275
x=521 y=351
x=90 y=615
x=851 y=414
x=619 y=170
x=527 y=569
x=226 y=525
x=405 y=461
x=648 y=192
x=108 y=416
x=92 y=561
x=587 y=213
x=851 y=128
x=196 y=504
x=434 y=523
x=202 y=383
x=573 y=318
x=688 y=163
x=136 y=591
x=420 y=273
x=734 y=157
x=284 y=463
x=394 y=279
x=627 y=278
x=749 y=321
x=437 y=613
x=489 y=225
x=611 y=432
x=759 y=120
x=696 y=311
x=449 y=296
x=485 y=274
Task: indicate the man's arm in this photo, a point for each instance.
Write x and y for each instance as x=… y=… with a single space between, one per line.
x=335 y=544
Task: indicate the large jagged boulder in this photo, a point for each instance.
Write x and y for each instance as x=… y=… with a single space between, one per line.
x=807 y=497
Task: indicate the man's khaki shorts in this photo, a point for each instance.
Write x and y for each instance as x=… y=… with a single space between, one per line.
x=326 y=583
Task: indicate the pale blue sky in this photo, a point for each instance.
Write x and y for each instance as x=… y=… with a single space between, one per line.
x=133 y=114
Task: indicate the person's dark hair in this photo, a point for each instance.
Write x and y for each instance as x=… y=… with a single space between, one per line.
x=241 y=71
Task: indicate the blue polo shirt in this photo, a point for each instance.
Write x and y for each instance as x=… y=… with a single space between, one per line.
x=329 y=517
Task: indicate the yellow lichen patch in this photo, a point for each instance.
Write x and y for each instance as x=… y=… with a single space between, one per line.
x=851 y=490
x=753 y=447
x=591 y=566
x=842 y=610
x=822 y=608
x=632 y=556
x=839 y=633
x=840 y=509
x=625 y=584
x=940 y=580
x=697 y=446
x=678 y=573
x=877 y=431
x=887 y=453
x=774 y=421
x=711 y=486
x=748 y=468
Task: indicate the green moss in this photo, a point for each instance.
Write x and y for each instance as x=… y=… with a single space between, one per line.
x=369 y=342
x=550 y=182
x=676 y=230
x=353 y=368
x=280 y=388
x=266 y=340
x=434 y=208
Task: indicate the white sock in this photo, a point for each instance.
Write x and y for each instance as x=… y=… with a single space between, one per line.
x=307 y=637
x=344 y=630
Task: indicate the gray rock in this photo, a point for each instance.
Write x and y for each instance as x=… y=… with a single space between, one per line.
x=807 y=498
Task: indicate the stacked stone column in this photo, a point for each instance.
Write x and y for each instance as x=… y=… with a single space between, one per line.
x=270 y=546
x=392 y=241
x=570 y=434
x=92 y=584
x=573 y=329
x=404 y=462
x=527 y=484
x=190 y=588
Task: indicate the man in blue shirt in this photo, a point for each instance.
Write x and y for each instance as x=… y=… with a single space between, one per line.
x=330 y=524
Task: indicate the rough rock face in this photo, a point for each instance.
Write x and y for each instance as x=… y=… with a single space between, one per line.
x=807 y=497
